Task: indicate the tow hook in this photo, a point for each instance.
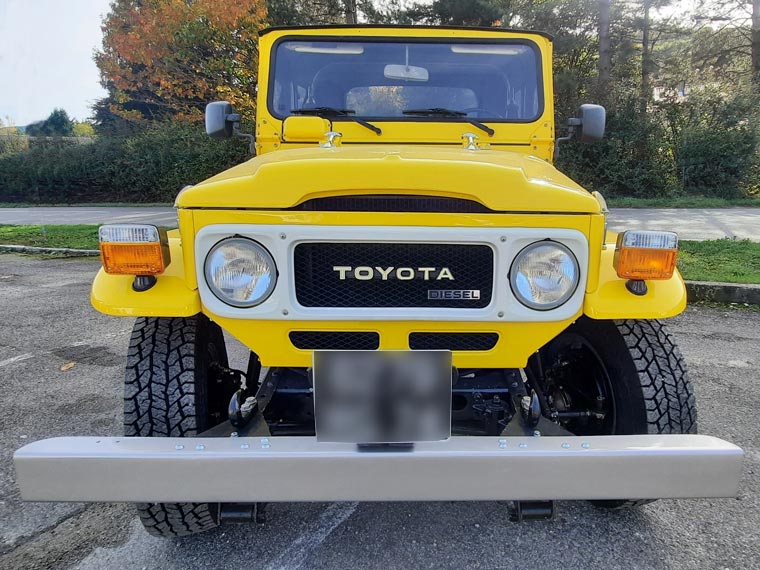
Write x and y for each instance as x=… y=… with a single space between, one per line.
x=242 y=404
x=530 y=407
x=241 y=408
x=243 y=513
x=531 y=511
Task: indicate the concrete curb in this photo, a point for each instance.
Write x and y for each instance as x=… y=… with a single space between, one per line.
x=722 y=292
x=697 y=291
x=49 y=250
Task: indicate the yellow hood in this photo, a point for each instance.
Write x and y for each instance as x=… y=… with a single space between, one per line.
x=500 y=180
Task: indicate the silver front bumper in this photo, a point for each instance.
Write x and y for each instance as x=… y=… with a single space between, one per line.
x=301 y=469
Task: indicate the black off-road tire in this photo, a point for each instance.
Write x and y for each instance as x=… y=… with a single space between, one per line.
x=650 y=385
x=668 y=395
x=167 y=394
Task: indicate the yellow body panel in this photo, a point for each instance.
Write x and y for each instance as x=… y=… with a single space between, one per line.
x=611 y=299
x=502 y=181
x=171 y=296
x=517 y=341
x=511 y=175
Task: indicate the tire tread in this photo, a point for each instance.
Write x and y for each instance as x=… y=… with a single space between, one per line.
x=160 y=400
x=668 y=394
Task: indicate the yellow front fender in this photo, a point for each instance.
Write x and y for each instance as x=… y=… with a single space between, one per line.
x=611 y=299
x=169 y=297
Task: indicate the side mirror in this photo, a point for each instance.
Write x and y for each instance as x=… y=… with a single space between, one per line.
x=589 y=126
x=220 y=120
x=592 y=121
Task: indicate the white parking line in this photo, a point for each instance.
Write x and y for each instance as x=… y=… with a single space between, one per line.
x=13 y=359
x=293 y=557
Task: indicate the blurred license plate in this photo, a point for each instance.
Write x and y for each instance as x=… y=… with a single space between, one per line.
x=382 y=396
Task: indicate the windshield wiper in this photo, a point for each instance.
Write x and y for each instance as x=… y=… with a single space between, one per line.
x=327 y=112
x=442 y=112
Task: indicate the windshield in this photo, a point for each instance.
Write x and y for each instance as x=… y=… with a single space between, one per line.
x=403 y=80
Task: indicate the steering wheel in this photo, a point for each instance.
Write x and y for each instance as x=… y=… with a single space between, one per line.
x=491 y=114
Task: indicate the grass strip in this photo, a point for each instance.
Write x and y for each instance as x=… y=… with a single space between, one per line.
x=720 y=260
x=682 y=202
x=70 y=236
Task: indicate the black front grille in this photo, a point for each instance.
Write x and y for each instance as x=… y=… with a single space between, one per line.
x=318 y=340
x=453 y=341
x=416 y=276
x=394 y=203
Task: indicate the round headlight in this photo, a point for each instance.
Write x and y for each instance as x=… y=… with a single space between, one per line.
x=544 y=275
x=240 y=272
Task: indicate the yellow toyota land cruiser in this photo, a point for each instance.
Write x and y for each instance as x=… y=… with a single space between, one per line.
x=433 y=311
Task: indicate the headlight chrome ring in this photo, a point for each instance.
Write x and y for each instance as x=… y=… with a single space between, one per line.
x=240 y=272
x=544 y=275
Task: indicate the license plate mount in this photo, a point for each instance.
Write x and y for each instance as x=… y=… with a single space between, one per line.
x=382 y=397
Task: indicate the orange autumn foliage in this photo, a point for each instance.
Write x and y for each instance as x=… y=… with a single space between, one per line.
x=168 y=58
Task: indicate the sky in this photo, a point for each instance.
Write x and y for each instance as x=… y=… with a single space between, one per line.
x=46 y=49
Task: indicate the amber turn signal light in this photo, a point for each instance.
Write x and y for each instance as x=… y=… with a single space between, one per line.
x=646 y=255
x=133 y=249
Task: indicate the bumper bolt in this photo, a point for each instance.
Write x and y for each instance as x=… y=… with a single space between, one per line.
x=585 y=445
x=200 y=447
x=565 y=445
x=179 y=447
x=265 y=443
x=523 y=445
x=503 y=443
x=244 y=446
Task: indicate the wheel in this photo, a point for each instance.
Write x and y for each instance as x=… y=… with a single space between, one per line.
x=615 y=377
x=172 y=389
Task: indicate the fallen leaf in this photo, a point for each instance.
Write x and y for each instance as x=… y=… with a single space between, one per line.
x=67 y=366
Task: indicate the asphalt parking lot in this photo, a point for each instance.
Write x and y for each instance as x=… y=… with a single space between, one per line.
x=47 y=324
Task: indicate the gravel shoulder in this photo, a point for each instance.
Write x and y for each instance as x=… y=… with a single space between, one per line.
x=48 y=323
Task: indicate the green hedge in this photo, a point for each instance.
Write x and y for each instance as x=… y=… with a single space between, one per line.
x=706 y=146
x=149 y=166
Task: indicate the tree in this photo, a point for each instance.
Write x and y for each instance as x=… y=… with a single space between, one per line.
x=58 y=123
x=741 y=19
x=349 y=9
x=168 y=58
x=453 y=13
x=604 y=64
x=755 y=43
x=83 y=129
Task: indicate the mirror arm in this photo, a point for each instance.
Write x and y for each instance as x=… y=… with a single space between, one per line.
x=251 y=140
x=572 y=125
x=234 y=118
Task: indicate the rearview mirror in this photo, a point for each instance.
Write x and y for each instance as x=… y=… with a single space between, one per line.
x=593 y=119
x=405 y=72
x=220 y=120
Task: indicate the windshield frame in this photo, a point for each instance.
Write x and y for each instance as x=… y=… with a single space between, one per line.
x=537 y=54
